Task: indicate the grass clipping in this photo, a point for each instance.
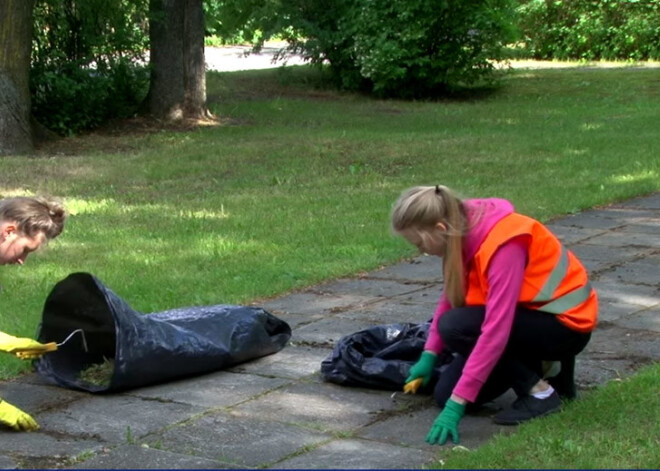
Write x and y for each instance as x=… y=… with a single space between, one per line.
x=98 y=374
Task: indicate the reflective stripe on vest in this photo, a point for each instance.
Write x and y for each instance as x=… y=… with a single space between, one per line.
x=554 y=280
x=566 y=301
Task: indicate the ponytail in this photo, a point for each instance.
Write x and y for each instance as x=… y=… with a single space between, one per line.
x=422 y=207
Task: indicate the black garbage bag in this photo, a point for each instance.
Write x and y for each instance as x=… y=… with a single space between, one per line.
x=147 y=348
x=380 y=357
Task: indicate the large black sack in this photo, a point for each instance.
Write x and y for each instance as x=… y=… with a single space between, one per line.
x=380 y=357
x=147 y=348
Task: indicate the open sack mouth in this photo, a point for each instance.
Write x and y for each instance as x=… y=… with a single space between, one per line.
x=131 y=349
x=380 y=357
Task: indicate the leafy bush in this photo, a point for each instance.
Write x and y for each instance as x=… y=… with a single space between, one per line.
x=407 y=48
x=68 y=98
x=591 y=29
x=86 y=62
x=231 y=22
x=418 y=48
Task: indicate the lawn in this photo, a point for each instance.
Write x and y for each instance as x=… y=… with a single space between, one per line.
x=615 y=426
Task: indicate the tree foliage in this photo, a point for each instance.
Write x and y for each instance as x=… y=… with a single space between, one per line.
x=407 y=48
x=87 y=58
x=591 y=29
x=417 y=48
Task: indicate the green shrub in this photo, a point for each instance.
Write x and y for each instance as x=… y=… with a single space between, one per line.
x=68 y=99
x=420 y=48
x=86 y=62
x=591 y=29
x=407 y=48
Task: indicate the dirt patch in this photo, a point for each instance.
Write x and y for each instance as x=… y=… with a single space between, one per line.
x=121 y=136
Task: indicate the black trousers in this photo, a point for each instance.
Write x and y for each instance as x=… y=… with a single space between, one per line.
x=536 y=336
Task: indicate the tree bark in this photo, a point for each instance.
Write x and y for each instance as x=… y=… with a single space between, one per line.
x=194 y=99
x=178 y=71
x=15 y=44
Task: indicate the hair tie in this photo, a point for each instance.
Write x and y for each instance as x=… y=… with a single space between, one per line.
x=437 y=189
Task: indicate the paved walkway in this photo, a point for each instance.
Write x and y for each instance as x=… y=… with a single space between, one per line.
x=275 y=412
x=234 y=58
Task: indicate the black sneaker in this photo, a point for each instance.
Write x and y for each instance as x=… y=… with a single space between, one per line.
x=528 y=407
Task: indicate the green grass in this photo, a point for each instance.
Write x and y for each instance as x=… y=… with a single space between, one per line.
x=615 y=426
x=295 y=186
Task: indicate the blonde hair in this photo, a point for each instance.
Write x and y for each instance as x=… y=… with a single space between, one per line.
x=34 y=215
x=421 y=208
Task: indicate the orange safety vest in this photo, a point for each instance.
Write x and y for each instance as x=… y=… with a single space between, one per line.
x=555 y=281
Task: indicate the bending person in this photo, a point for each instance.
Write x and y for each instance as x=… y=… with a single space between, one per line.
x=25 y=225
x=514 y=300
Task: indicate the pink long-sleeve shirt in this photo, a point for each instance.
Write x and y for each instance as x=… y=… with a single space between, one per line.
x=505 y=277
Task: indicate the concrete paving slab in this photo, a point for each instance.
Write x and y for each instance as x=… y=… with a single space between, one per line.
x=569 y=235
x=596 y=372
x=115 y=418
x=645 y=226
x=326 y=332
x=321 y=406
x=626 y=239
x=293 y=362
x=651 y=201
x=423 y=268
x=427 y=296
x=298 y=320
x=359 y=454
x=410 y=429
x=44 y=448
x=233 y=439
x=618 y=212
x=389 y=312
x=642 y=271
x=609 y=289
x=7 y=463
x=597 y=258
x=375 y=289
x=220 y=389
x=586 y=224
x=313 y=303
x=611 y=341
x=609 y=311
x=141 y=457
x=38 y=397
x=646 y=320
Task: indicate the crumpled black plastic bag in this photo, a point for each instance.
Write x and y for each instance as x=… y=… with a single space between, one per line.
x=380 y=357
x=147 y=348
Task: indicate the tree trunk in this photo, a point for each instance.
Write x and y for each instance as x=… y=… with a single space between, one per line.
x=194 y=69
x=178 y=71
x=15 y=45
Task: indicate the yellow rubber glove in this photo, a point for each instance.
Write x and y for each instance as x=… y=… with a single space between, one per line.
x=411 y=387
x=423 y=368
x=16 y=418
x=24 y=348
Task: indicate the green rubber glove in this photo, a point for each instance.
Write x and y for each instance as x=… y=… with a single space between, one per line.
x=423 y=368
x=446 y=424
x=16 y=418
